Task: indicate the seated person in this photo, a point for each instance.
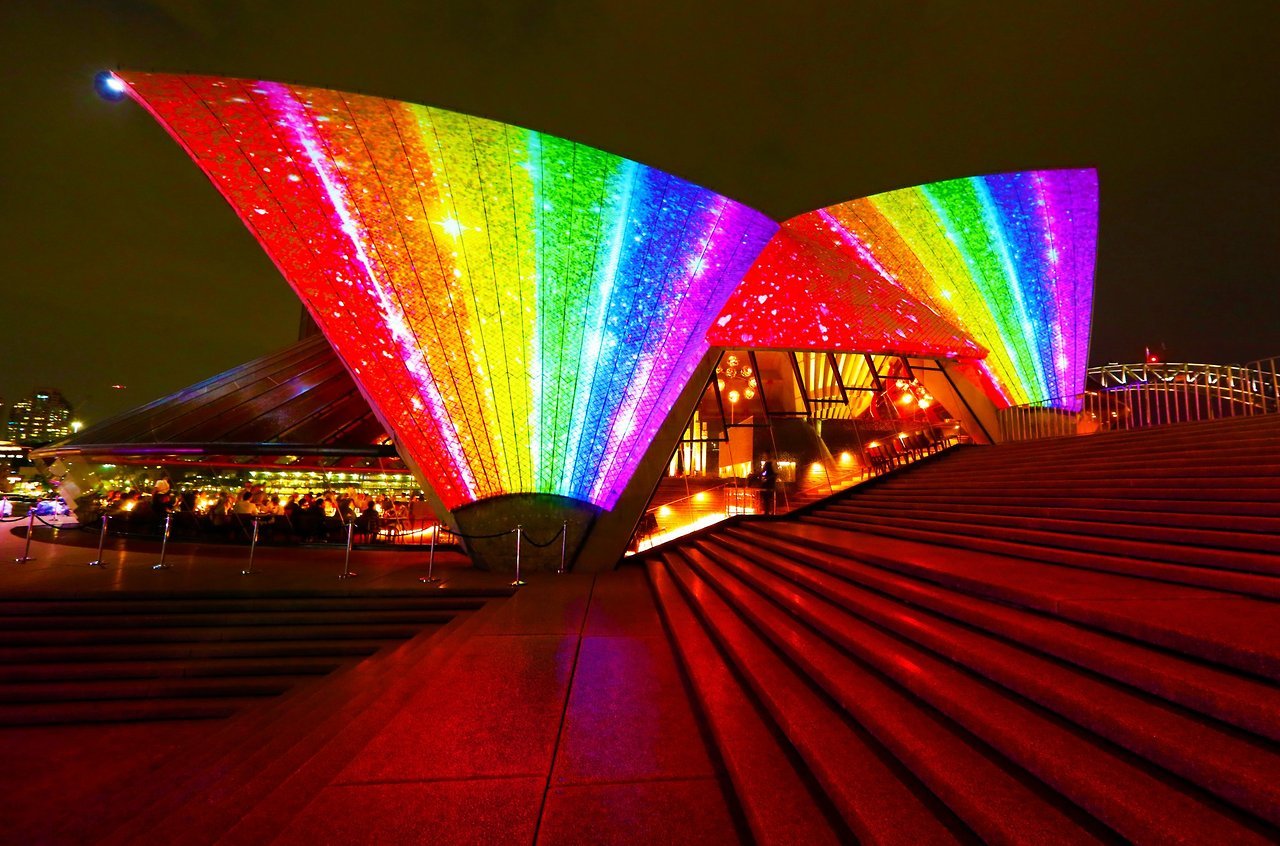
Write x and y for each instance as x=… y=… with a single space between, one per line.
x=244 y=505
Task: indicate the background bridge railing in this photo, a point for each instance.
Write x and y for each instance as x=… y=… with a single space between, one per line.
x=1136 y=396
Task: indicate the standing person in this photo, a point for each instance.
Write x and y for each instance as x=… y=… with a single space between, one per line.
x=768 y=487
x=161 y=502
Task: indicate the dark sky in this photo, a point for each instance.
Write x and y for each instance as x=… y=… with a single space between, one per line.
x=121 y=264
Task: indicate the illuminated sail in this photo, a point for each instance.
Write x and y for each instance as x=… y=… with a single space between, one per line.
x=1008 y=259
x=520 y=310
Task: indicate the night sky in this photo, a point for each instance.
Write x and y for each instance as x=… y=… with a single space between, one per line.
x=122 y=264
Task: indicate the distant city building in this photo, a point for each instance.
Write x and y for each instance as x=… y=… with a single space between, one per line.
x=40 y=418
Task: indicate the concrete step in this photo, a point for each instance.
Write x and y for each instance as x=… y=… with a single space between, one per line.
x=1187 y=745
x=1108 y=560
x=1216 y=626
x=207 y=650
x=1245 y=702
x=1009 y=806
x=1123 y=794
x=1245 y=525
x=61 y=713
x=229 y=620
x=86 y=690
x=778 y=795
x=250 y=633
x=1248 y=552
x=168 y=669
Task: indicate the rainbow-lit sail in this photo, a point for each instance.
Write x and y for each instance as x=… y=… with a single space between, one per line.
x=802 y=296
x=1007 y=258
x=520 y=310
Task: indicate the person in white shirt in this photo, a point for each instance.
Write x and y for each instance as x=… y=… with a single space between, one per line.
x=244 y=505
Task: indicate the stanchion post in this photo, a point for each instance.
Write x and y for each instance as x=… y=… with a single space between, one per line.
x=102 y=543
x=31 y=525
x=253 y=546
x=431 y=559
x=346 y=563
x=519 y=533
x=564 y=540
x=164 y=543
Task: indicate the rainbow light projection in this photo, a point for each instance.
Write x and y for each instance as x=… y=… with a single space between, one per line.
x=521 y=310
x=1007 y=258
x=801 y=296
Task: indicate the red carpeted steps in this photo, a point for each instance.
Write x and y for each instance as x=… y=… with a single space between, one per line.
x=1026 y=673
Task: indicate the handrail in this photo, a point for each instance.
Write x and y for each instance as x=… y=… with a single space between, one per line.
x=1154 y=394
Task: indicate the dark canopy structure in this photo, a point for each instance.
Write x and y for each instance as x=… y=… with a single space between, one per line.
x=294 y=409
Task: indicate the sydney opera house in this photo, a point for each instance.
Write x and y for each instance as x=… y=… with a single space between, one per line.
x=1029 y=607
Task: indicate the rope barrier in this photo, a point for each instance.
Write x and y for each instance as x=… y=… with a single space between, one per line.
x=552 y=540
x=478 y=537
x=60 y=525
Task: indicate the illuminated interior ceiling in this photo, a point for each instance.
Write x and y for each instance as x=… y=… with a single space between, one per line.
x=802 y=296
x=854 y=373
x=520 y=310
x=1007 y=258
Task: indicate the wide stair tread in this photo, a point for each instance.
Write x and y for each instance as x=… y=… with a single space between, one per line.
x=1246 y=583
x=1234 y=767
x=172 y=688
x=876 y=794
x=1025 y=742
x=1224 y=525
x=775 y=794
x=1051 y=498
x=1229 y=550
x=130 y=710
x=201 y=650
x=168 y=669
x=231 y=620
x=1240 y=700
x=1132 y=607
x=246 y=633
x=263 y=748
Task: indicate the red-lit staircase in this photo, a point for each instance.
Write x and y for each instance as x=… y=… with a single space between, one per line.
x=1071 y=640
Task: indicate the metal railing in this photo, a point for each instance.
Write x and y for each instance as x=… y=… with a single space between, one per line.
x=1139 y=396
